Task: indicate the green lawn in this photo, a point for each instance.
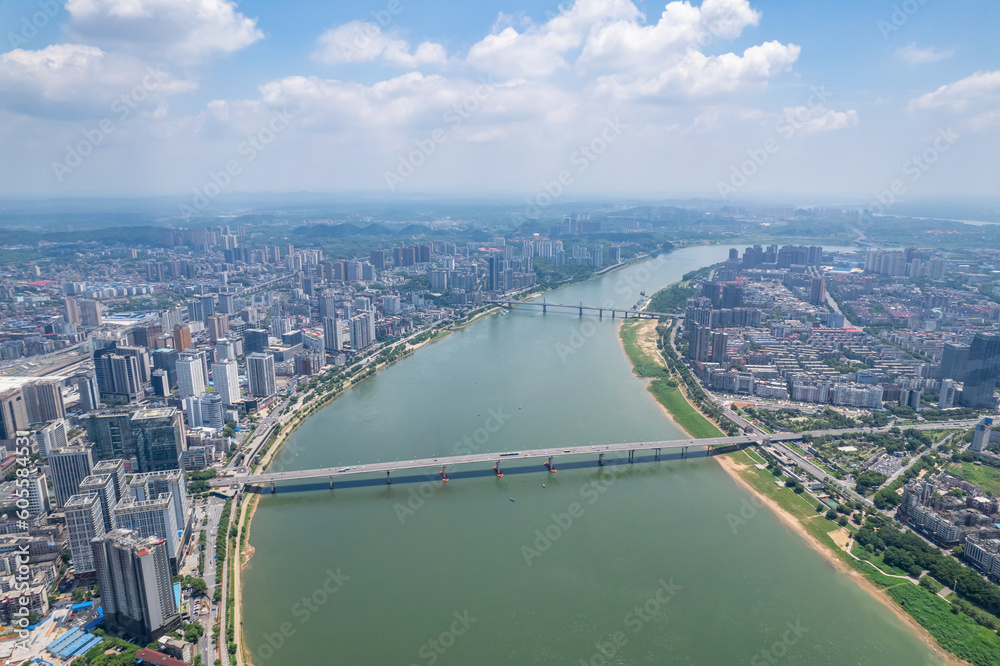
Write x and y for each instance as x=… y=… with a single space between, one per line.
x=800 y=506
x=642 y=363
x=984 y=476
x=957 y=633
x=681 y=410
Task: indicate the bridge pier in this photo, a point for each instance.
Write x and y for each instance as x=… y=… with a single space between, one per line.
x=444 y=475
x=273 y=489
x=331 y=483
x=631 y=454
x=549 y=466
x=581 y=308
x=388 y=479
x=657 y=454
x=544 y=307
x=612 y=314
x=684 y=452
x=600 y=460
x=496 y=470
x=600 y=313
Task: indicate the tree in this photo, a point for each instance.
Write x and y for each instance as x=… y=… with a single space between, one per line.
x=820 y=507
x=193 y=631
x=842 y=521
x=831 y=514
x=198 y=587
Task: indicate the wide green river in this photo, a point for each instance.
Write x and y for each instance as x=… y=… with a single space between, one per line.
x=621 y=564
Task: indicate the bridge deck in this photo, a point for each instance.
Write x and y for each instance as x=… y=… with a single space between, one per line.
x=484 y=458
x=636 y=314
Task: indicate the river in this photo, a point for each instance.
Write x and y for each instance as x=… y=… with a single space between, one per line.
x=623 y=564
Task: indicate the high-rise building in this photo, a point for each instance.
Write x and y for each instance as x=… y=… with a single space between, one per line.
x=227 y=303
x=160 y=381
x=152 y=485
x=142 y=361
x=110 y=432
x=13 y=415
x=982 y=372
x=720 y=347
x=362 y=330
x=103 y=486
x=137 y=593
x=207 y=308
x=218 y=326
x=52 y=436
x=84 y=523
x=182 y=337
x=255 y=341
x=43 y=400
x=947 y=395
x=190 y=379
x=71 y=311
x=38 y=493
x=261 y=377
x=166 y=359
x=159 y=439
x=91 y=313
x=699 y=342
x=116 y=470
x=333 y=334
x=151 y=517
x=327 y=307
x=817 y=291
x=494 y=275
x=90 y=395
x=69 y=466
x=118 y=375
x=226 y=380
x=981 y=435
x=205 y=411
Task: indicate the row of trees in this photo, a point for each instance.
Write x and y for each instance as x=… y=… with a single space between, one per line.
x=908 y=551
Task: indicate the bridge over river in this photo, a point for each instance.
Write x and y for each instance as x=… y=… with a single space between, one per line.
x=581 y=309
x=500 y=460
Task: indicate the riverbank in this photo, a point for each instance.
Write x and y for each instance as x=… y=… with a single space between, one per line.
x=816 y=530
x=638 y=339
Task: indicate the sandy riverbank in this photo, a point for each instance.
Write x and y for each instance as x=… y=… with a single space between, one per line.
x=655 y=355
x=733 y=467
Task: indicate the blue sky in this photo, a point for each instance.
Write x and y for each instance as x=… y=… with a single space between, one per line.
x=726 y=98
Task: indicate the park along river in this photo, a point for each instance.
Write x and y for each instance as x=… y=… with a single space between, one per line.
x=625 y=564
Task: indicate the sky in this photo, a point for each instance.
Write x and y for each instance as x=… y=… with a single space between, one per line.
x=738 y=100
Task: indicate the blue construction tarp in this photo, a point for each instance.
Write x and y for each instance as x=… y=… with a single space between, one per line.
x=83 y=605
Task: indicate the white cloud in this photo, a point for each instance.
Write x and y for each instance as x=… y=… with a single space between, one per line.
x=697 y=76
x=975 y=98
x=78 y=81
x=184 y=29
x=540 y=51
x=636 y=60
x=360 y=41
x=914 y=55
x=627 y=44
x=972 y=91
x=804 y=120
